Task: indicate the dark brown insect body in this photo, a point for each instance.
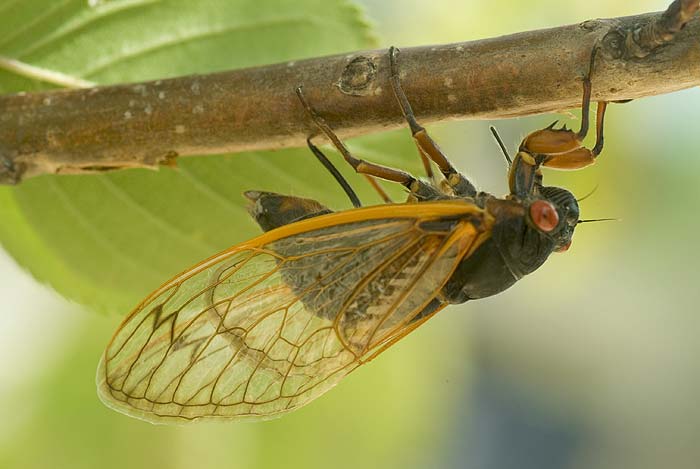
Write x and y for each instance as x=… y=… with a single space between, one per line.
x=515 y=247
x=272 y=323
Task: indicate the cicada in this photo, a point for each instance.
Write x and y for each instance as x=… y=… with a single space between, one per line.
x=270 y=324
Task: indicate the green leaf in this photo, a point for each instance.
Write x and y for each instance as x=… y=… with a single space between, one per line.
x=107 y=240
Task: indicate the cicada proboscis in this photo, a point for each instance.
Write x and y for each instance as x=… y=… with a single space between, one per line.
x=272 y=323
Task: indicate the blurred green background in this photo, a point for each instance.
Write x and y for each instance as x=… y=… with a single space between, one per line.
x=591 y=362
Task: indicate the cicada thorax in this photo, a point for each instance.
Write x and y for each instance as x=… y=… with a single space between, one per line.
x=514 y=248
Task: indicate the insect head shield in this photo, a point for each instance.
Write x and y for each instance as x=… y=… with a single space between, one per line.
x=555 y=215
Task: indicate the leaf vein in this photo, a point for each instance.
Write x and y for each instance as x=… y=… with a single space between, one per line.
x=175 y=41
x=154 y=218
x=108 y=10
x=90 y=228
x=36 y=20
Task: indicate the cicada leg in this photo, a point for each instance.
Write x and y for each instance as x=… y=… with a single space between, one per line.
x=418 y=189
x=427 y=147
x=334 y=171
x=563 y=148
x=560 y=148
x=343 y=182
x=378 y=189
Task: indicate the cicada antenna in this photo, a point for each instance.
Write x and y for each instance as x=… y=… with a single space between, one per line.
x=598 y=219
x=589 y=194
x=504 y=150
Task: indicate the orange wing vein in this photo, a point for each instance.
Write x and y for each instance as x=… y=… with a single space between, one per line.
x=268 y=325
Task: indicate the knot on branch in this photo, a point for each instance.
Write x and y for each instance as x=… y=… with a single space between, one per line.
x=643 y=39
x=358 y=76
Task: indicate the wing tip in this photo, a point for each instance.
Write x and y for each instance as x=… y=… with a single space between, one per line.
x=119 y=402
x=111 y=398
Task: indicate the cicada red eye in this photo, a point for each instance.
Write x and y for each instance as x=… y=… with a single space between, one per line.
x=544 y=215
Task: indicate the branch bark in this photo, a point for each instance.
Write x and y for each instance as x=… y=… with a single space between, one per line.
x=149 y=124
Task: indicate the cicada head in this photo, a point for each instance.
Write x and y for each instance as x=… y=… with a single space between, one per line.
x=523 y=236
x=556 y=215
x=528 y=231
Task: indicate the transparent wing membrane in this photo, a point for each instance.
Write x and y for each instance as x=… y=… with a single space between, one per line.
x=263 y=328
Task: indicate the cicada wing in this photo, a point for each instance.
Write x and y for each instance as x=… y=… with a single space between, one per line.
x=267 y=326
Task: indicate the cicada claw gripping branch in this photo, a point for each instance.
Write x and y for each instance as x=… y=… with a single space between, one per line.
x=270 y=324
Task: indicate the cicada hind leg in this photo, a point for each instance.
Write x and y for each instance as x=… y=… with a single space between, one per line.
x=457 y=183
x=454 y=184
x=271 y=210
x=558 y=148
x=417 y=188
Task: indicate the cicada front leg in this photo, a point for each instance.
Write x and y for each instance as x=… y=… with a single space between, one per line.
x=560 y=148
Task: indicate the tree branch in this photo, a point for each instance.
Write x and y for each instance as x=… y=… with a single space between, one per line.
x=148 y=124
